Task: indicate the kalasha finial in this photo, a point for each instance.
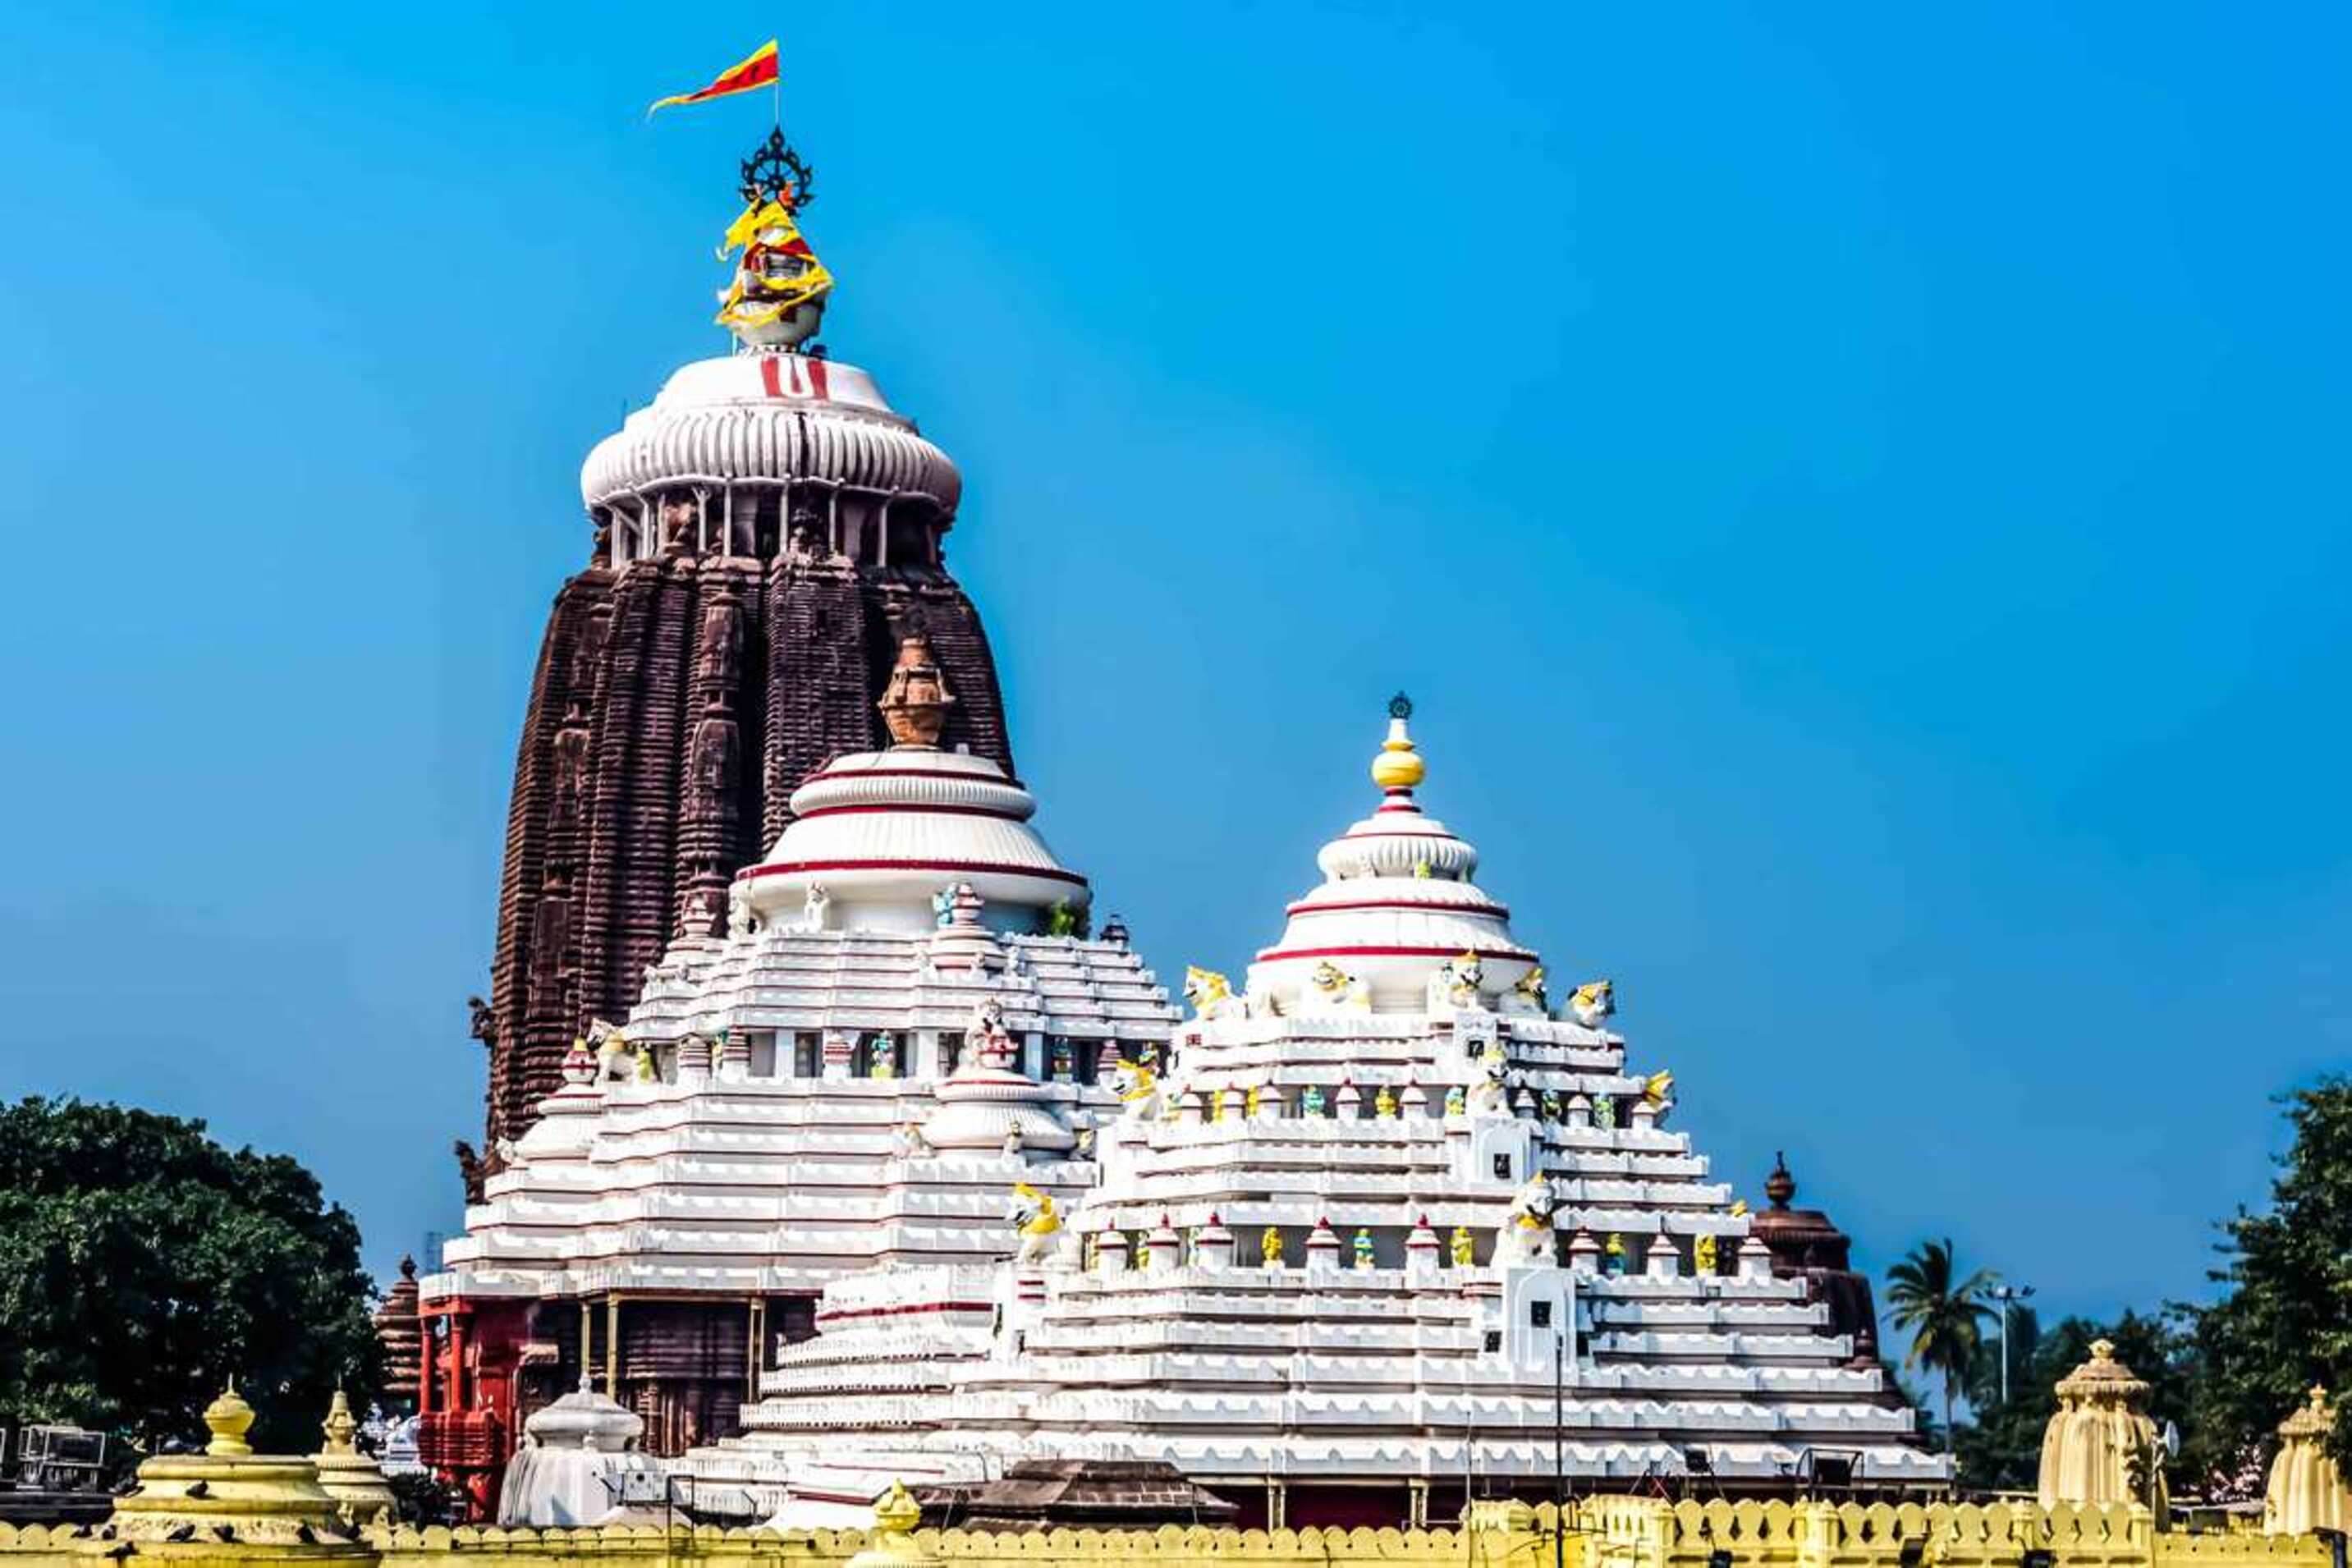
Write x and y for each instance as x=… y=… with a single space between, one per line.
x=1398 y=767
x=778 y=297
x=915 y=704
x=1780 y=1186
x=229 y=1418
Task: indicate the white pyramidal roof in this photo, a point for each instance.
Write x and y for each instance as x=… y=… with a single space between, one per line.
x=889 y=1036
x=1341 y=1236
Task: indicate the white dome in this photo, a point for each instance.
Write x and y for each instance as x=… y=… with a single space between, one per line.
x=778 y=416
x=1396 y=904
x=883 y=833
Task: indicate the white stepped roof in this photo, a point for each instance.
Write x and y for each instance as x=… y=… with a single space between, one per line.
x=1390 y=1109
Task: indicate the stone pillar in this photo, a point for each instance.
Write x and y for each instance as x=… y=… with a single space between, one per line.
x=612 y=1347
x=1164 y=1246
x=454 y=1389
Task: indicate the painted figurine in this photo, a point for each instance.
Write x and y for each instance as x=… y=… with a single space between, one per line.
x=1385 y=1104
x=1463 y=1248
x=1362 y=1248
x=1269 y=1247
x=1457 y=1102
x=1703 y=1254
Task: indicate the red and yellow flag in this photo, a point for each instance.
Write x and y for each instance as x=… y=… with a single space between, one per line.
x=757 y=71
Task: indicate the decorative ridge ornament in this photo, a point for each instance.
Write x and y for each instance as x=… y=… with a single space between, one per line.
x=229 y=1417
x=777 y=298
x=915 y=703
x=1398 y=767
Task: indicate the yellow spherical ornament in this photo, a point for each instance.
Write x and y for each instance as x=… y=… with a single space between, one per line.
x=1398 y=769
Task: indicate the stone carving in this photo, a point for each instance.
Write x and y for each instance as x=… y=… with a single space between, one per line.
x=1137 y=1084
x=915 y=704
x=1525 y=1236
x=1491 y=1095
x=1211 y=995
x=814 y=906
x=1456 y=985
x=719 y=652
x=712 y=780
x=1592 y=1003
x=1034 y=1218
x=742 y=919
x=1341 y=991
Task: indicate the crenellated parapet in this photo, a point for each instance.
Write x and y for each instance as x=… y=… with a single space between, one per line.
x=1607 y=1531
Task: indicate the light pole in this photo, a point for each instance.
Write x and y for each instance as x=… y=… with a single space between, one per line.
x=1559 y=1446
x=2005 y=1294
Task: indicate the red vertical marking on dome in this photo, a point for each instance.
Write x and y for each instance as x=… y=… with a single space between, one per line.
x=816 y=379
x=768 y=378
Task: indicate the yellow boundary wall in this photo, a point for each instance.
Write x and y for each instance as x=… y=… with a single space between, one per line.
x=1604 y=1532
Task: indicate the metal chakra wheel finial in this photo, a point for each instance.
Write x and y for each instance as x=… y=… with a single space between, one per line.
x=778 y=173
x=1399 y=706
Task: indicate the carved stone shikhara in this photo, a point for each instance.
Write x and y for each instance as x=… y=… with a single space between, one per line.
x=676 y=705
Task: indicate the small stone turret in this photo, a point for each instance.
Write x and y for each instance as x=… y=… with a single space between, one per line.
x=2305 y=1491
x=401 y=1333
x=2088 y=1448
x=345 y=1474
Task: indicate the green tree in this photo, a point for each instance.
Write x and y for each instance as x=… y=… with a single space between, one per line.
x=2287 y=1320
x=141 y=1264
x=1944 y=1314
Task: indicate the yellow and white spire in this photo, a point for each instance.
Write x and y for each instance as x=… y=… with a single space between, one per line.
x=1396 y=906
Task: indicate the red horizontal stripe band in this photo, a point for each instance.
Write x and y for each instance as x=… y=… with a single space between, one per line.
x=1285 y=954
x=1499 y=912
x=913 y=807
x=1000 y=777
x=838 y=1314
x=786 y=868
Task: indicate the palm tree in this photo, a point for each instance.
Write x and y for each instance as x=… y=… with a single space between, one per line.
x=1945 y=1319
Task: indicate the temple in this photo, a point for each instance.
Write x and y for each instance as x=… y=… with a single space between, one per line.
x=834 y=1145
x=1384 y=1230
x=900 y=1021
x=762 y=536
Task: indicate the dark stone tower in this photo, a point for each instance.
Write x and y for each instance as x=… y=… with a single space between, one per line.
x=764 y=533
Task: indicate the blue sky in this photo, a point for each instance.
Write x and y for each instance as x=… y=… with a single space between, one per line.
x=1856 y=492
